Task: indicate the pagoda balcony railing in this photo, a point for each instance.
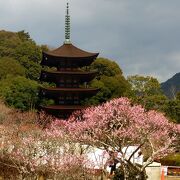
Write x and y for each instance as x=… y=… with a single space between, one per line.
x=73 y=85
x=67 y=77
x=56 y=93
x=70 y=85
x=69 y=69
x=68 y=102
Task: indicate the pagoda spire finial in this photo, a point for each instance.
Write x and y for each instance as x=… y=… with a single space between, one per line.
x=67 y=26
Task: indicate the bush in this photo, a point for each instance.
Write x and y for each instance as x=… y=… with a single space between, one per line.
x=171 y=160
x=19 y=92
x=9 y=66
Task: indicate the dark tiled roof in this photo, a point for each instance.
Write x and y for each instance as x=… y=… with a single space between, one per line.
x=71 y=51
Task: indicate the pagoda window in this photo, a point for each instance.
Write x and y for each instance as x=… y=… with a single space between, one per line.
x=69 y=99
x=68 y=83
x=73 y=65
x=75 y=83
x=68 y=66
x=61 y=83
x=62 y=66
x=61 y=100
x=76 y=99
x=76 y=102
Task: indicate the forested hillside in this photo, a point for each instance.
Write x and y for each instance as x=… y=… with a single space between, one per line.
x=19 y=61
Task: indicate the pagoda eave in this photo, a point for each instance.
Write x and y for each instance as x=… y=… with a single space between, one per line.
x=56 y=92
x=61 y=110
x=49 y=54
x=63 y=107
x=54 y=61
x=55 y=76
x=70 y=51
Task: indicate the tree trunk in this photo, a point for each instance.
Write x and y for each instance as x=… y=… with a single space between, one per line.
x=141 y=176
x=126 y=172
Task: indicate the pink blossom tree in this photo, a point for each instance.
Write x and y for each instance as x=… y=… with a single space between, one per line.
x=114 y=127
x=26 y=150
x=117 y=125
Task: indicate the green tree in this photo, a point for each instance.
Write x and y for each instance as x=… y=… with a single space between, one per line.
x=19 y=92
x=24 y=36
x=146 y=91
x=105 y=67
x=9 y=66
x=172 y=110
x=178 y=96
x=32 y=69
x=8 y=42
x=30 y=50
x=29 y=55
x=109 y=80
x=22 y=48
x=144 y=85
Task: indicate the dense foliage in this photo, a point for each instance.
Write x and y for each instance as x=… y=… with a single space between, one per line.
x=171 y=160
x=20 y=47
x=19 y=69
x=172 y=110
x=147 y=91
x=110 y=81
x=19 y=92
x=9 y=66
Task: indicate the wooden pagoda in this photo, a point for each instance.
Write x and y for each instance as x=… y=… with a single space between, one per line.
x=69 y=78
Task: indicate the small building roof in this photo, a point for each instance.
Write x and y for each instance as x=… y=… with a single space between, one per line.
x=70 y=51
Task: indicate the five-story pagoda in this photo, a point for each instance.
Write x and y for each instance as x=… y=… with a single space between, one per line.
x=69 y=78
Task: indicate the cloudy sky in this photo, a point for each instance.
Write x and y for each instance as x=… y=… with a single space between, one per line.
x=142 y=36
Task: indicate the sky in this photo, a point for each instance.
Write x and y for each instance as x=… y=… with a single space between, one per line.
x=142 y=36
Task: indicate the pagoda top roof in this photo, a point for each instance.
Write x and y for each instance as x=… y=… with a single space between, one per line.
x=70 y=51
